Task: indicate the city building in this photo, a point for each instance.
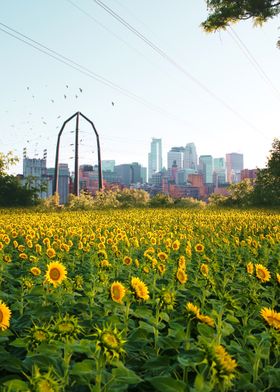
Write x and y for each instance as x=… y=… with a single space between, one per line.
x=234 y=165
x=63 y=181
x=206 y=168
x=219 y=173
x=108 y=165
x=35 y=176
x=249 y=173
x=143 y=174
x=176 y=154
x=154 y=158
x=190 y=157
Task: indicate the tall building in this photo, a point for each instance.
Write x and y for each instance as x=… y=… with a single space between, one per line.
x=234 y=165
x=144 y=174
x=35 y=176
x=108 y=165
x=176 y=154
x=63 y=181
x=154 y=158
x=219 y=173
x=206 y=168
x=190 y=157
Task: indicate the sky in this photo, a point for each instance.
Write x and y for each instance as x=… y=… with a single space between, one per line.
x=162 y=77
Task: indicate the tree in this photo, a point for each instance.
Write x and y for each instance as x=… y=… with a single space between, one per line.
x=12 y=193
x=267 y=185
x=223 y=12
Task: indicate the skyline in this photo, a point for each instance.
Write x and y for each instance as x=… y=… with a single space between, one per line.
x=217 y=100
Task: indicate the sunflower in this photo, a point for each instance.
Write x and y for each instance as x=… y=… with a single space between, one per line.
x=161 y=268
x=204 y=269
x=35 y=271
x=206 y=320
x=199 y=248
x=162 y=256
x=67 y=328
x=51 y=253
x=168 y=299
x=109 y=342
x=176 y=245
x=193 y=309
x=250 y=268
x=181 y=276
x=262 y=273
x=140 y=288
x=278 y=278
x=5 y=315
x=226 y=363
x=127 y=260
x=56 y=273
x=182 y=262
x=271 y=317
x=117 y=292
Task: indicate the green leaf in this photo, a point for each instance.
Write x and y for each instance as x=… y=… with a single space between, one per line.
x=167 y=384
x=124 y=375
x=16 y=386
x=227 y=329
x=19 y=342
x=147 y=327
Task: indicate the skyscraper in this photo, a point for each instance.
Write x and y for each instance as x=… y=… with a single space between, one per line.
x=176 y=154
x=206 y=168
x=190 y=157
x=154 y=158
x=234 y=165
x=219 y=174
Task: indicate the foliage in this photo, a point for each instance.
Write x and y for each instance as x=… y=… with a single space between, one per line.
x=267 y=185
x=217 y=200
x=223 y=12
x=106 y=199
x=6 y=160
x=139 y=300
x=51 y=202
x=133 y=197
x=161 y=200
x=82 y=202
x=189 y=202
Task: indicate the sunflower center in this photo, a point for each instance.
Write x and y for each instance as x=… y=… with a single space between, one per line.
x=110 y=340
x=261 y=274
x=116 y=293
x=55 y=274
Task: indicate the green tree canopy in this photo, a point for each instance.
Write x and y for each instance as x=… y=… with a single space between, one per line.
x=222 y=13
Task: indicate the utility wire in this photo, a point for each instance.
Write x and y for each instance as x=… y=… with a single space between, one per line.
x=87 y=72
x=252 y=60
x=179 y=67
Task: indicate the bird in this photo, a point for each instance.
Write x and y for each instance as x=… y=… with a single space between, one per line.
x=76 y=95
x=44 y=122
x=113 y=103
x=27 y=88
x=66 y=86
x=64 y=96
x=58 y=116
x=81 y=90
x=52 y=100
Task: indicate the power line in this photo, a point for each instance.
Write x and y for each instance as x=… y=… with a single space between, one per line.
x=252 y=60
x=87 y=72
x=179 y=67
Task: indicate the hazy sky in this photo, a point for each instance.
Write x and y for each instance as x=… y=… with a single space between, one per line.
x=175 y=82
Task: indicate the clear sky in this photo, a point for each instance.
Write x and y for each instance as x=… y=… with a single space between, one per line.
x=183 y=86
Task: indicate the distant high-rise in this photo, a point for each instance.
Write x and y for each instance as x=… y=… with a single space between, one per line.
x=176 y=154
x=108 y=165
x=234 y=165
x=154 y=158
x=206 y=168
x=219 y=174
x=190 y=157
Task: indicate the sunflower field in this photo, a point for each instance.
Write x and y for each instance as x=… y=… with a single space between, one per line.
x=139 y=300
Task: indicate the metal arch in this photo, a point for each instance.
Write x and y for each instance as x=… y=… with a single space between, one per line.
x=56 y=171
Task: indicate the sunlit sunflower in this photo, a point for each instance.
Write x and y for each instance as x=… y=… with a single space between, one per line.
x=161 y=268
x=181 y=275
x=51 y=253
x=127 y=260
x=105 y=263
x=193 y=309
x=250 y=268
x=56 y=273
x=271 y=317
x=117 y=292
x=278 y=278
x=262 y=273
x=176 y=245
x=182 y=262
x=204 y=269
x=206 y=320
x=140 y=288
x=199 y=248
x=35 y=271
x=226 y=362
x=162 y=256
x=5 y=315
